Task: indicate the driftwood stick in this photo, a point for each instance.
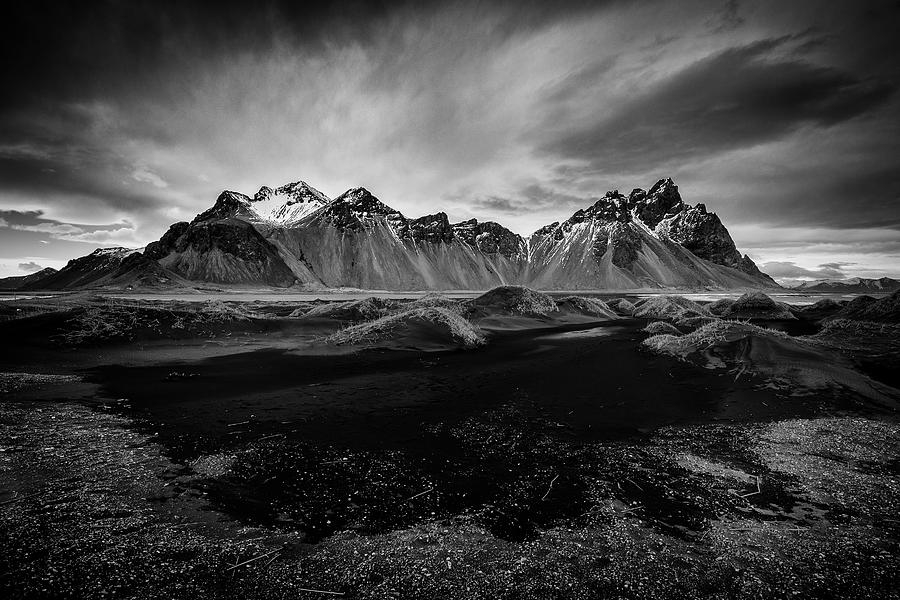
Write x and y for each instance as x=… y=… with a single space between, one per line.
x=321 y=591
x=634 y=484
x=550 y=488
x=758 y=490
x=246 y=562
x=20 y=498
x=431 y=489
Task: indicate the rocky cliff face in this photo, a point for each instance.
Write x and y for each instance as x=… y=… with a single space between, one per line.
x=294 y=234
x=491 y=238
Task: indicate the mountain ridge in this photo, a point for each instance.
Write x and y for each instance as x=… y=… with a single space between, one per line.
x=295 y=235
x=852 y=284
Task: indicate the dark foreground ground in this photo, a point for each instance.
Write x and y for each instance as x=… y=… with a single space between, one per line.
x=565 y=462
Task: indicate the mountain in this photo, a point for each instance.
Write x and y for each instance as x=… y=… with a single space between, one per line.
x=295 y=235
x=221 y=245
x=282 y=206
x=358 y=241
x=16 y=283
x=854 y=285
x=647 y=239
x=117 y=267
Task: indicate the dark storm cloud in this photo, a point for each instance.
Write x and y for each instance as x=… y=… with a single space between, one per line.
x=73 y=48
x=728 y=18
x=68 y=48
x=736 y=98
x=869 y=198
x=103 y=87
x=131 y=115
x=73 y=177
x=34 y=222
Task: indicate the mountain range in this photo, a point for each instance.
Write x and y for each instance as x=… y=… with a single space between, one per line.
x=851 y=285
x=294 y=235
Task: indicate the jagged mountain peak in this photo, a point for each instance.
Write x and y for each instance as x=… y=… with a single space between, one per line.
x=280 y=206
x=357 y=194
x=357 y=205
x=300 y=191
x=360 y=200
x=114 y=251
x=661 y=201
x=288 y=203
x=431 y=228
x=229 y=204
x=489 y=237
x=663 y=186
x=264 y=193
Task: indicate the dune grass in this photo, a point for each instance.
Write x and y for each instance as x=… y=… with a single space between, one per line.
x=460 y=328
x=757 y=305
x=587 y=306
x=703 y=338
x=720 y=306
x=516 y=300
x=353 y=310
x=122 y=321
x=661 y=327
x=669 y=308
x=622 y=306
x=435 y=300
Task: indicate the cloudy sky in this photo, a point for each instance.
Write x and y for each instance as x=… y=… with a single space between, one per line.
x=121 y=117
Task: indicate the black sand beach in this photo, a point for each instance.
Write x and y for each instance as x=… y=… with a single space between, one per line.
x=554 y=460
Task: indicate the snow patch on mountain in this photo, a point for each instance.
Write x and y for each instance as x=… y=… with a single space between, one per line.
x=287 y=204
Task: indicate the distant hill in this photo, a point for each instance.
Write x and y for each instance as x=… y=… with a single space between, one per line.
x=15 y=283
x=855 y=285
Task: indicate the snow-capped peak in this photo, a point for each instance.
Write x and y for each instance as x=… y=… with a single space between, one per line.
x=287 y=204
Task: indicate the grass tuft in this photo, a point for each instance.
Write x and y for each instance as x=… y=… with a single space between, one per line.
x=661 y=327
x=669 y=308
x=517 y=300
x=460 y=328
